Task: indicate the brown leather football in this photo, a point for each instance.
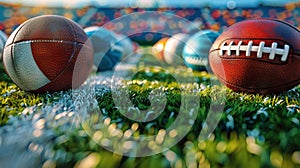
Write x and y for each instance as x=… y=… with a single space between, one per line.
x=257 y=56
x=48 y=53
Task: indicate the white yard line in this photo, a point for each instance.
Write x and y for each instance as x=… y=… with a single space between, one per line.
x=25 y=139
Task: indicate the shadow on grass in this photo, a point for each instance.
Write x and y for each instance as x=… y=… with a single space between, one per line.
x=3 y=76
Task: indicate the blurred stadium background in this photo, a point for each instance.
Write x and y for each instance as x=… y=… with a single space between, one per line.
x=206 y=14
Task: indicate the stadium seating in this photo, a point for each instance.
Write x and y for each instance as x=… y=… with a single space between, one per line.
x=216 y=19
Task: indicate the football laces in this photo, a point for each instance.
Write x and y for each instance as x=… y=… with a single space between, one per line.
x=260 y=49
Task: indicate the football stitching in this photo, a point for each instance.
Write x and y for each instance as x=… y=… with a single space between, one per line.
x=73 y=29
x=195 y=61
x=64 y=69
x=52 y=41
x=260 y=49
x=45 y=41
x=42 y=41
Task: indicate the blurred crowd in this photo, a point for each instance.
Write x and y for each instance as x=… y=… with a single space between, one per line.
x=12 y=16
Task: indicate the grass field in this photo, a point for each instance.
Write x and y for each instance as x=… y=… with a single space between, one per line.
x=254 y=130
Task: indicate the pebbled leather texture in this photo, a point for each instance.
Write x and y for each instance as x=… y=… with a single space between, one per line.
x=57 y=44
x=252 y=74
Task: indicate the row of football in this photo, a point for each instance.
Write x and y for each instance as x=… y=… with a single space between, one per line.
x=260 y=55
x=53 y=53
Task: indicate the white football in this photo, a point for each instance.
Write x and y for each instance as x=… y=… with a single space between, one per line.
x=174 y=47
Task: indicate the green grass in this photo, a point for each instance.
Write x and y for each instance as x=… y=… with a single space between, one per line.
x=13 y=100
x=254 y=130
